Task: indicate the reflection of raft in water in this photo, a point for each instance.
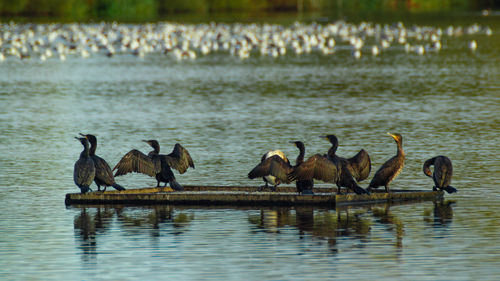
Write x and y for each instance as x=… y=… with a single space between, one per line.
x=241 y=195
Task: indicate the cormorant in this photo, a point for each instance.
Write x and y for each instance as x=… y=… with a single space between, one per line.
x=155 y=164
x=334 y=169
x=443 y=170
x=103 y=173
x=391 y=168
x=278 y=167
x=267 y=175
x=84 y=170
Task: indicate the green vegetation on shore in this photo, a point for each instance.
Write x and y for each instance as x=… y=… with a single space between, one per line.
x=144 y=10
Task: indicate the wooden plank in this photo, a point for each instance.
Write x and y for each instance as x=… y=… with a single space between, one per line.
x=203 y=198
x=235 y=196
x=395 y=196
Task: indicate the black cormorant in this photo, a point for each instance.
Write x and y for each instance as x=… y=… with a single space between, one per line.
x=84 y=170
x=279 y=167
x=443 y=170
x=155 y=164
x=333 y=169
x=103 y=173
x=391 y=168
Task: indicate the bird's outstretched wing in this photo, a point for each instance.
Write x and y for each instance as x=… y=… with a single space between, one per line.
x=359 y=165
x=274 y=166
x=316 y=167
x=138 y=162
x=179 y=159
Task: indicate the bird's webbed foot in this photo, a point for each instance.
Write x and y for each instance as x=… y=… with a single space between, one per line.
x=262 y=187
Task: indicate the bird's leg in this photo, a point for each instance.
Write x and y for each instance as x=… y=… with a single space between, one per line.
x=98 y=188
x=387 y=188
x=104 y=189
x=273 y=188
x=262 y=187
x=339 y=190
x=157 y=183
x=434 y=188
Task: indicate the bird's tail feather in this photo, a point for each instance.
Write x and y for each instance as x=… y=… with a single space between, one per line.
x=175 y=185
x=358 y=189
x=450 y=189
x=118 y=187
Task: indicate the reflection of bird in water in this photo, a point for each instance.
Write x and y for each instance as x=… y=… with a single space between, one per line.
x=443 y=170
x=385 y=216
x=443 y=212
x=277 y=167
x=334 y=169
x=391 y=168
x=155 y=164
x=103 y=173
x=84 y=170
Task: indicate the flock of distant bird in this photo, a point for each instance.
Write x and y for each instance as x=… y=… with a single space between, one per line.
x=189 y=41
x=274 y=168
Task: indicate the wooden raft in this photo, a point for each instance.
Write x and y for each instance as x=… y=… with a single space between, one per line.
x=244 y=195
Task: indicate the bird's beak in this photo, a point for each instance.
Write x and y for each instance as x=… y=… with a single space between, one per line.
x=77 y=138
x=393 y=136
x=145 y=141
x=83 y=135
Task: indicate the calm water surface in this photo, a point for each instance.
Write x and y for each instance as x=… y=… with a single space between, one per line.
x=227 y=112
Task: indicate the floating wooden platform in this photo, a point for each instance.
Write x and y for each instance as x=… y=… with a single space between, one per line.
x=244 y=195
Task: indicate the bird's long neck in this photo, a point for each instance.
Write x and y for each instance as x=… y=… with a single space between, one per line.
x=85 y=152
x=427 y=164
x=93 y=147
x=300 y=158
x=156 y=148
x=332 y=150
x=400 y=152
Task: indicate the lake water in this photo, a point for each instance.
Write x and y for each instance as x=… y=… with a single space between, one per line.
x=227 y=112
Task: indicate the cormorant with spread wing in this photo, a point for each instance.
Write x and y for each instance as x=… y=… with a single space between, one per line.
x=155 y=164
x=279 y=168
x=391 y=168
x=334 y=169
x=84 y=170
x=443 y=170
x=103 y=173
x=268 y=177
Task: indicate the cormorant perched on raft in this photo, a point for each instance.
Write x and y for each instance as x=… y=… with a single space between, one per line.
x=267 y=176
x=84 y=170
x=391 y=168
x=279 y=167
x=155 y=164
x=334 y=169
x=103 y=173
x=443 y=170
x=359 y=165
